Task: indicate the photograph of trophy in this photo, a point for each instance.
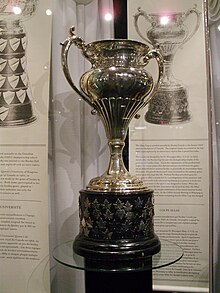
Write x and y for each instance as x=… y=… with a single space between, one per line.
x=116 y=209
x=15 y=93
x=170 y=103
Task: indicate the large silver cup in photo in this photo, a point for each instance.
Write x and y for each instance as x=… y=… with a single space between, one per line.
x=15 y=92
x=170 y=104
x=116 y=209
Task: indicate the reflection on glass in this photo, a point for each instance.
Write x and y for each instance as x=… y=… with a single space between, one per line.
x=108 y=16
x=164 y=20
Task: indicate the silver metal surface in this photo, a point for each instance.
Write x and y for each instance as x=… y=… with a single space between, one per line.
x=116 y=87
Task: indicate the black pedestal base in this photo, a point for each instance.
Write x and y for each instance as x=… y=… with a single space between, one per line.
x=116 y=226
x=129 y=282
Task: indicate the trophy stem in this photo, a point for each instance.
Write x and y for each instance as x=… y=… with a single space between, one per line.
x=168 y=75
x=116 y=164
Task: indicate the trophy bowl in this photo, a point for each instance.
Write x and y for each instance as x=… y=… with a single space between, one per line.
x=170 y=104
x=15 y=93
x=116 y=209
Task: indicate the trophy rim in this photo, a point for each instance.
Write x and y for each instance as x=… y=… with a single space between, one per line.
x=119 y=41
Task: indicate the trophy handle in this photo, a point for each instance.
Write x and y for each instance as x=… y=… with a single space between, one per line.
x=187 y=14
x=155 y=54
x=79 y=43
x=136 y=17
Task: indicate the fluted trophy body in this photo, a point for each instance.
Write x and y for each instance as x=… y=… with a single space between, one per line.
x=15 y=92
x=116 y=209
x=170 y=104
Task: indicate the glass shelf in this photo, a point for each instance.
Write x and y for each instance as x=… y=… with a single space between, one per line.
x=169 y=254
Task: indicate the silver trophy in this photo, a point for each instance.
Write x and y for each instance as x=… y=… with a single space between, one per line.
x=170 y=103
x=15 y=93
x=116 y=208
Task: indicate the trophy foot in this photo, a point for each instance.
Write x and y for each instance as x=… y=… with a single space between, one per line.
x=116 y=226
x=168 y=107
x=112 y=183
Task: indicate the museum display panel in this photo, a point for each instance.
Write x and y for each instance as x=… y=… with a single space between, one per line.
x=25 y=37
x=170 y=145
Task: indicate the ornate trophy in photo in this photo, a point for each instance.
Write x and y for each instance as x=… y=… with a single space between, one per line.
x=170 y=31
x=116 y=209
x=15 y=93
